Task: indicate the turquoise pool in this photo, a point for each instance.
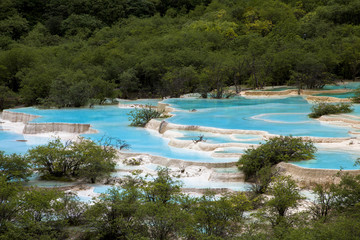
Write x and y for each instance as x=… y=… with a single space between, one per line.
x=277 y=116
x=283 y=116
x=213 y=138
x=332 y=159
x=113 y=121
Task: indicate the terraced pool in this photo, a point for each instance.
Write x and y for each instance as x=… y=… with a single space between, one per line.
x=282 y=116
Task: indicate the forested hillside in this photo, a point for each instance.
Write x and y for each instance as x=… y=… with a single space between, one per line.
x=69 y=52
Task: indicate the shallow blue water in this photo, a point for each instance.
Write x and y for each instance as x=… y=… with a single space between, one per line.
x=102 y=188
x=278 y=116
x=9 y=144
x=230 y=150
x=332 y=159
x=283 y=116
x=113 y=121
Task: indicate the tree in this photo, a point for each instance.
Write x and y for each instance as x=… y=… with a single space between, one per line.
x=139 y=209
x=139 y=117
x=163 y=188
x=179 y=81
x=14 y=26
x=310 y=72
x=218 y=217
x=36 y=83
x=14 y=167
x=356 y=98
x=351 y=57
x=80 y=159
x=32 y=213
x=162 y=213
x=347 y=192
x=95 y=161
x=79 y=94
x=81 y=25
x=12 y=63
x=285 y=196
x=8 y=98
x=322 y=108
x=262 y=180
x=274 y=151
x=40 y=215
x=258 y=62
x=115 y=215
x=325 y=201
x=9 y=204
x=129 y=83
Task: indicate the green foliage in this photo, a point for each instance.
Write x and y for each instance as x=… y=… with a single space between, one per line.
x=139 y=209
x=347 y=192
x=356 y=98
x=9 y=204
x=157 y=210
x=80 y=159
x=8 y=98
x=146 y=48
x=163 y=188
x=274 y=151
x=286 y=195
x=115 y=214
x=262 y=180
x=14 y=26
x=321 y=109
x=325 y=201
x=34 y=213
x=14 y=167
x=218 y=217
x=139 y=117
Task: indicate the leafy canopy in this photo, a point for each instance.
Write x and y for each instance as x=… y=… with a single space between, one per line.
x=80 y=159
x=139 y=117
x=273 y=151
x=321 y=109
x=14 y=167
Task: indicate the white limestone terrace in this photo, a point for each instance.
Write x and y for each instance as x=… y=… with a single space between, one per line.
x=21 y=123
x=171 y=132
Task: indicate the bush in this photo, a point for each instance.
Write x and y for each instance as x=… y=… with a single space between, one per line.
x=274 y=151
x=14 y=167
x=80 y=159
x=321 y=109
x=356 y=99
x=139 y=117
x=8 y=98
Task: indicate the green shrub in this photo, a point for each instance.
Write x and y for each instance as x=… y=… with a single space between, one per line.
x=275 y=150
x=14 y=167
x=81 y=159
x=139 y=117
x=133 y=161
x=356 y=99
x=321 y=109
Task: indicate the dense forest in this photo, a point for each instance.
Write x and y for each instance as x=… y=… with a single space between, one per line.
x=155 y=209
x=72 y=52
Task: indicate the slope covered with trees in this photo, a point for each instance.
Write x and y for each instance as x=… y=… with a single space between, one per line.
x=67 y=53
